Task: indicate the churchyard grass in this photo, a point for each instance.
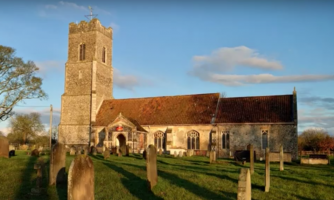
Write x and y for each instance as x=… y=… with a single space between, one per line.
x=178 y=178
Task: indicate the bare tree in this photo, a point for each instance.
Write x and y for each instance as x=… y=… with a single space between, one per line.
x=26 y=126
x=17 y=81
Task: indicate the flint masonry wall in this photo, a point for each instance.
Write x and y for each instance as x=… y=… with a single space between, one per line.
x=87 y=82
x=242 y=135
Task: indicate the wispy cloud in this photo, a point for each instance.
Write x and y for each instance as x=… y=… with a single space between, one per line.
x=215 y=68
x=129 y=82
x=50 y=66
x=73 y=5
x=115 y=27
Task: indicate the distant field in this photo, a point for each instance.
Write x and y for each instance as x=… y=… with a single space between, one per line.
x=179 y=178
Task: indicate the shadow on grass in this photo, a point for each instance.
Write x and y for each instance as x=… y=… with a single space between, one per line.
x=133 y=183
x=193 y=188
x=26 y=183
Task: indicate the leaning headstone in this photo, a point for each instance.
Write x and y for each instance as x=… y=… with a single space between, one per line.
x=35 y=152
x=127 y=150
x=151 y=167
x=11 y=153
x=281 y=158
x=72 y=151
x=144 y=154
x=180 y=154
x=81 y=179
x=57 y=164
x=267 y=180
x=251 y=158
x=4 y=147
x=93 y=150
x=244 y=185
x=106 y=154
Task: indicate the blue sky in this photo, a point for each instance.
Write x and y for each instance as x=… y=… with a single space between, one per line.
x=161 y=48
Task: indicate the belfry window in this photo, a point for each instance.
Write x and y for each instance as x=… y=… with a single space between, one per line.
x=159 y=140
x=264 y=139
x=104 y=55
x=193 y=140
x=82 y=52
x=226 y=140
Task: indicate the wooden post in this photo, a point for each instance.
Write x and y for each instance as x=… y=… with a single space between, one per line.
x=267 y=178
x=281 y=158
x=251 y=152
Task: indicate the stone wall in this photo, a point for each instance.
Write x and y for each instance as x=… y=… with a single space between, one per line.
x=244 y=134
x=74 y=134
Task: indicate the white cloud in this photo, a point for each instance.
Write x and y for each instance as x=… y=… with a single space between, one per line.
x=50 y=66
x=129 y=82
x=225 y=59
x=214 y=68
x=73 y=5
x=115 y=27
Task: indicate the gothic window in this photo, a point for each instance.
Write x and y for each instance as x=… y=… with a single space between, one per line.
x=226 y=140
x=264 y=139
x=104 y=55
x=193 y=140
x=82 y=52
x=159 y=140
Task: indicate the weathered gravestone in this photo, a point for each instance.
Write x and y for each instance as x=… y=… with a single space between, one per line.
x=57 y=164
x=93 y=151
x=39 y=166
x=127 y=150
x=251 y=158
x=11 y=153
x=72 y=151
x=35 y=152
x=4 y=147
x=175 y=154
x=151 y=166
x=144 y=154
x=244 y=185
x=180 y=154
x=81 y=179
x=267 y=178
x=106 y=154
x=212 y=156
x=281 y=158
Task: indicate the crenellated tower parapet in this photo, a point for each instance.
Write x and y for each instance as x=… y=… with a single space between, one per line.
x=92 y=25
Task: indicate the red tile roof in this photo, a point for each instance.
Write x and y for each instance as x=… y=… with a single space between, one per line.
x=185 y=109
x=255 y=109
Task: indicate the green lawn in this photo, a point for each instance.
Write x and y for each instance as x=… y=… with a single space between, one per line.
x=179 y=178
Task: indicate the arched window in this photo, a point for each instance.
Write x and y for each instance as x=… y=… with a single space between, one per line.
x=104 y=55
x=193 y=140
x=264 y=139
x=159 y=140
x=226 y=140
x=82 y=52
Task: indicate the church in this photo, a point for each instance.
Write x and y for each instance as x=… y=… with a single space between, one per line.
x=202 y=122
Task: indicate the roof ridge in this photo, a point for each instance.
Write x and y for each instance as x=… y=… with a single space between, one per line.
x=256 y=96
x=164 y=96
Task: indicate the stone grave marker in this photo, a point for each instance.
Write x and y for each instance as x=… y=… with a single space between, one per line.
x=106 y=154
x=35 y=152
x=11 y=153
x=151 y=166
x=180 y=154
x=281 y=158
x=57 y=164
x=175 y=154
x=244 y=185
x=144 y=154
x=81 y=179
x=4 y=147
x=267 y=178
x=127 y=150
x=212 y=156
x=72 y=151
x=251 y=158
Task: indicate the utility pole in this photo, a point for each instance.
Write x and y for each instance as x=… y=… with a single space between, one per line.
x=50 y=126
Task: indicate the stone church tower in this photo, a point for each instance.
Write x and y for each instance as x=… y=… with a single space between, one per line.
x=88 y=80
